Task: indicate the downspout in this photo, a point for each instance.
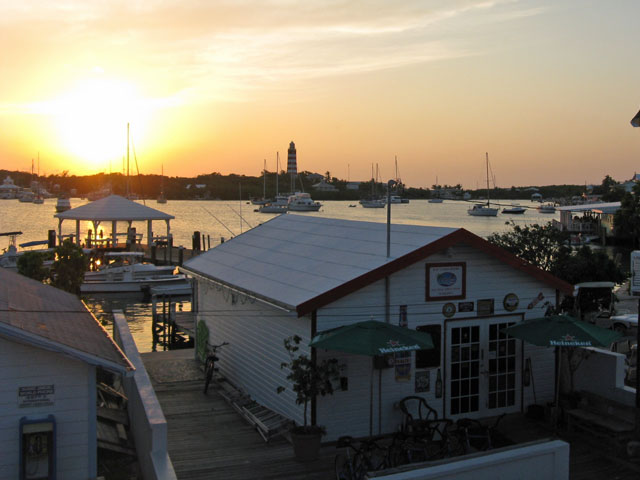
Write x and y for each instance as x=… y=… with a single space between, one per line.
x=314 y=361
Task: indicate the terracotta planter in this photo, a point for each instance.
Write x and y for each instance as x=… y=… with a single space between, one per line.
x=306 y=446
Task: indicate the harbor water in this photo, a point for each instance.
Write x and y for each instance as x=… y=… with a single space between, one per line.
x=225 y=219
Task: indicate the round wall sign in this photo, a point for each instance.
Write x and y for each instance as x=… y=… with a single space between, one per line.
x=449 y=309
x=510 y=302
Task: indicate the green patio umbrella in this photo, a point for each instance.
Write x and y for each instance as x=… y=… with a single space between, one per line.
x=372 y=338
x=561 y=331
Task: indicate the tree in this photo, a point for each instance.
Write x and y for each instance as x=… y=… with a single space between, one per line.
x=30 y=264
x=539 y=245
x=308 y=378
x=67 y=272
x=626 y=222
x=546 y=247
x=586 y=265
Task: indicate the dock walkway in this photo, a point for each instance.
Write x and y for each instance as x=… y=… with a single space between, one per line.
x=208 y=438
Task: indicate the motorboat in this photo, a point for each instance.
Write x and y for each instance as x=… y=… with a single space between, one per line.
x=118 y=263
x=10 y=255
x=272 y=208
x=125 y=272
x=547 y=208
x=395 y=199
x=435 y=200
x=63 y=204
x=302 y=202
x=482 y=210
x=514 y=210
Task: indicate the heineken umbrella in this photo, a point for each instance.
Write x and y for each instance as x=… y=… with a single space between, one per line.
x=372 y=338
x=561 y=331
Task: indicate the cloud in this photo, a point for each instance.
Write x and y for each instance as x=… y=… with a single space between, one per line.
x=227 y=49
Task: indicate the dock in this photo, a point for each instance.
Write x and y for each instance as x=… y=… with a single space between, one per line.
x=208 y=438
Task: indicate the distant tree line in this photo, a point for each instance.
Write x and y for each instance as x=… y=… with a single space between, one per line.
x=232 y=187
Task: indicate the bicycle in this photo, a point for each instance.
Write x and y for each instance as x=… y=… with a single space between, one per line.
x=209 y=364
x=369 y=456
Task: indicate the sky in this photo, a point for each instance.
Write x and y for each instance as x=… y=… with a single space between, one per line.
x=546 y=88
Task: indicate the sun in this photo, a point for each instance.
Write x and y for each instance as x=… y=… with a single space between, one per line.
x=91 y=121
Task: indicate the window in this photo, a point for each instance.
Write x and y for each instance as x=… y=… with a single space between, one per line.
x=430 y=358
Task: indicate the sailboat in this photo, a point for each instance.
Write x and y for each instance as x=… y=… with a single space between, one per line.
x=38 y=198
x=161 y=198
x=373 y=201
x=264 y=200
x=436 y=199
x=281 y=202
x=482 y=210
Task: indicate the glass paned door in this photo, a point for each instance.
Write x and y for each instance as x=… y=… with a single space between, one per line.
x=465 y=370
x=483 y=368
x=502 y=367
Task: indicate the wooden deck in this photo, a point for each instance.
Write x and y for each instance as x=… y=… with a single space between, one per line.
x=208 y=439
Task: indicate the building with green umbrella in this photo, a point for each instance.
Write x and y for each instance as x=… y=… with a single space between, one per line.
x=372 y=338
x=315 y=277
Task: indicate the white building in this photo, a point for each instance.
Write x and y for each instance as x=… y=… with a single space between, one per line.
x=301 y=275
x=50 y=348
x=323 y=186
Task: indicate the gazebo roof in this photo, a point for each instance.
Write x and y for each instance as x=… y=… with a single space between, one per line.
x=113 y=208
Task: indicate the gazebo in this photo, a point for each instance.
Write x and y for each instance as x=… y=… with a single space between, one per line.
x=114 y=209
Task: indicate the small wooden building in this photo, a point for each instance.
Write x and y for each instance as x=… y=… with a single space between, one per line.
x=300 y=275
x=50 y=348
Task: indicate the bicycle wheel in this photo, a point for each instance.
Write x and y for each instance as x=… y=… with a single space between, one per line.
x=343 y=467
x=208 y=375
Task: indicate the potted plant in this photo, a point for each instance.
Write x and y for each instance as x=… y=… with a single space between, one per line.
x=308 y=380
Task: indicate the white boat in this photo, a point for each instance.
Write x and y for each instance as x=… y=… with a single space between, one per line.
x=8 y=190
x=126 y=273
x=26 y=196
x=514 y=210
x=302 y=202
x=272 y=208
x=119 y=263
x=373 y=203
x=63 y=204
x=482 y=210
x=396 y=199
x=547 y=208
x=435 y=200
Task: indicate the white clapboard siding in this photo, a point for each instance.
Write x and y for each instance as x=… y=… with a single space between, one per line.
x=255 y=332
x=348 y=412
x=22 y=365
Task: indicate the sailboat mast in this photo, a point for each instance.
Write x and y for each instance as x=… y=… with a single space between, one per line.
x=264 y=179
x=127 y=188
x=277 y=170
x=487 y=157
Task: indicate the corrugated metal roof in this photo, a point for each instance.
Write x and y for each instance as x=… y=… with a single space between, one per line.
x=294 y=258
x=56 y=316
x=609 y=207
x=113 y=207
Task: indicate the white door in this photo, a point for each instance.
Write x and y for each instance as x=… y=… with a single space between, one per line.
x=483 y=368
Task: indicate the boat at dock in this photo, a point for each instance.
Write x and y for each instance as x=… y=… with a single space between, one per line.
x=126 y=272
x=63 y=204
x=547 y=208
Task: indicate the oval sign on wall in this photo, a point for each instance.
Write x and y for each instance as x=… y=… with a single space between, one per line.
x=449 y=310
x=510 y=302
x=447 y=279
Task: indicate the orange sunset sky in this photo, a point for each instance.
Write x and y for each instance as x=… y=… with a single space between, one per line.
x=546 y=87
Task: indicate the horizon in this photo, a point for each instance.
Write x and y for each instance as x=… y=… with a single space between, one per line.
x=546 y=88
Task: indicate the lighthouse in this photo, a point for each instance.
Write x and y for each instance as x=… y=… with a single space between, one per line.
x=292 y=165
